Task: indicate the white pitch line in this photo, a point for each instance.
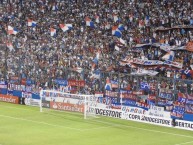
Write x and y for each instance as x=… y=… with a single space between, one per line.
x=39 y=122
x=185 y=143
x=150 y=130
x=95 y=128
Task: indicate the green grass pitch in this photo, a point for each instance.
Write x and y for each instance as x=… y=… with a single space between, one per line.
x=24 y=125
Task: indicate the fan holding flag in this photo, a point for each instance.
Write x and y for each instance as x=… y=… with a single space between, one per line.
x=89 y=22
x=116 y=31
x=53 y=32
x=12 y=30
x=65 y=27
x=31 y=23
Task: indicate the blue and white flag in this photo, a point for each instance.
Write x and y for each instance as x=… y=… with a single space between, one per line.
x=144 y=86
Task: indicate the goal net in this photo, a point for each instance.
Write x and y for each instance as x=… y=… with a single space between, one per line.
x=61 y=101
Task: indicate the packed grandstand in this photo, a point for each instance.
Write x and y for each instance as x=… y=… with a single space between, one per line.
x=137 y=50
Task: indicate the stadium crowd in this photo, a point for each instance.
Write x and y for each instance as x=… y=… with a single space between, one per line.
x=41 y=38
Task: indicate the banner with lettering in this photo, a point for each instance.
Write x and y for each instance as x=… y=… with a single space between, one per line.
x=61 y=82
x=78 y=83
x=166 y=94
x=182 y=98
x=14 y=79
x=178 y=111
x=3 y=85
x=161 y=102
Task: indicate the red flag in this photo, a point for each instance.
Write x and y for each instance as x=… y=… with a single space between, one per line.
x=189 y=46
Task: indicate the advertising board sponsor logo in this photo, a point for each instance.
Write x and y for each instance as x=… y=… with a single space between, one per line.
x=146 y=119
x=9 y=99
x=67 y=106
x=184 y=124
x=108 y=112
x=136 y=110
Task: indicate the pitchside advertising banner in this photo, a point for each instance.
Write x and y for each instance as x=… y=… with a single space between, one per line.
x=146 y=119
x=67 y=107
x=9 y=99
x=184 y=125
x=108 y=112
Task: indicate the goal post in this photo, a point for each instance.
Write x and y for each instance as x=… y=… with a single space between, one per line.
x=62 y=101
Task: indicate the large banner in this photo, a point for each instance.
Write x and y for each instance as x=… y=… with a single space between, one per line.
x=9 y=99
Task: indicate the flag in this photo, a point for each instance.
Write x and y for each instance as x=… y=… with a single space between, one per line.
x=10 y=46
x=141 y=71
x=93 y=66
x=187 y=73
x=116 y=31
x=108 y=84
x=65 y=27
x=89 y=22
x=169 y=56
x=52 y=32
x=146 y=20
x=182 y=98
x=119 y=43
x=122 y=41
x=115 y=17
x=189 y=46
x=96 y=74
x=121 y=27
x=31 y=23
x=97 y=19
x=95 y=60
x=114 y=84
x=144 y=86
x=12 y=30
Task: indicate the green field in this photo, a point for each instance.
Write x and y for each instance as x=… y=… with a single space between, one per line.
x=24 y=125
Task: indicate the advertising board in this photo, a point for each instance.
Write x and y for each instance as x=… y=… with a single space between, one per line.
x=9 y=99
x=67 y=106
x=147 y=119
